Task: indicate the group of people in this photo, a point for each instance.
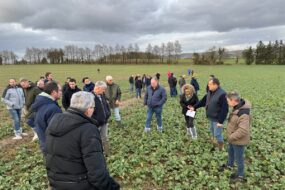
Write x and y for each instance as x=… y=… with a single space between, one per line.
x=216 y=102
x=138 y=84
x=89 y=144
x=83 y=127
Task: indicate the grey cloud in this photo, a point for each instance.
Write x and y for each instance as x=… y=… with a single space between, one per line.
x=150 y=16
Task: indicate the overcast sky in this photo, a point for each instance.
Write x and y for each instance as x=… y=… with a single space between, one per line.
x=198 y=25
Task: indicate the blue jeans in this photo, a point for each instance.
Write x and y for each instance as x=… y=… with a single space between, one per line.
x=117 y=114
x=173 y=92
x=216 y=131
x=42 y=138
x=158 y=112
x=236 y=153
x=16 y=117
x=138 y=92
x=131 y=87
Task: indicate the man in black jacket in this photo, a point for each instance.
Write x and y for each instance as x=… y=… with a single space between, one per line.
x=102 y=113
x=217 y=109
x=67 y=94
x=172 y=81
x=74 y=158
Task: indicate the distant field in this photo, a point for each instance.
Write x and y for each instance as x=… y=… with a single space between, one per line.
x=169 y=160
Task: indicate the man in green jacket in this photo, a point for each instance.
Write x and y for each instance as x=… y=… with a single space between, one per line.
x=113 y=95
x=31 y=91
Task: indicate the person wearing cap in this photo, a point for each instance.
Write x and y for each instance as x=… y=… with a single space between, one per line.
x=238 y=134
x=181 y=83
x=113 y=94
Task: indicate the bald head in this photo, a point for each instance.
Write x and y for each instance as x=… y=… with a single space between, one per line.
x=154 y=82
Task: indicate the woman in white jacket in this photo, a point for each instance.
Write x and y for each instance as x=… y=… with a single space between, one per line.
x=14 y=99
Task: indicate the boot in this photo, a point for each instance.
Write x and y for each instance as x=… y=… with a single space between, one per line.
x=188 y=131
x=193 y=132
x=106 y=148
x=221 y=146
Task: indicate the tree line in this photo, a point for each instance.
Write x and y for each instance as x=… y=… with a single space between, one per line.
x=100 y=54
x=265 y=54
x=213 y=56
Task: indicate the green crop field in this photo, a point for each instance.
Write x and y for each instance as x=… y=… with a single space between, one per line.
x=169 y=160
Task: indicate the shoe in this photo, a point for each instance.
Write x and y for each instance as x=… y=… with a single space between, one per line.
x=213 y=149
x=17 y=137
x=159 y=129
x=35 y=137
x=119 y=124
x=193 y=132
x=146 y=130
x=106 y=148
x=224 y=167
x=188 y=131
x=221 y=146
x=235 y=179
x=24 y=134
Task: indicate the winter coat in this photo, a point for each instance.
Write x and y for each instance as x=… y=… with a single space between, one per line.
x=195 y=83
x=66 y=97
x=89 y=87
x=181 y=82
x=14 y=98
x=45 y=108
x=239 y=124
x=139 y=84
x=102 y=110
x=74 y=154
x=155 y=97
x=172 y=81
x=113 y=93
x=185 y=103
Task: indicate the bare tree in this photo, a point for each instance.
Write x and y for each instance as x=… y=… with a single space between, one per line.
x=162 y=51
x=170 y=50
x=137 y=49
x=177 y=50
x=148 y=52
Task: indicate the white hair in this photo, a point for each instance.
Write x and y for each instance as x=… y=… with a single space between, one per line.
x=101 y=84
x=82 y=100
x=109 y=77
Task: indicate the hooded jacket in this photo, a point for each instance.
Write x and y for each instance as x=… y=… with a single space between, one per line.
x=75 y=159
x=45 y=108
x=239 y=124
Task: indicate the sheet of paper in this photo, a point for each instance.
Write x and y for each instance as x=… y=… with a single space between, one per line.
x=190 y=113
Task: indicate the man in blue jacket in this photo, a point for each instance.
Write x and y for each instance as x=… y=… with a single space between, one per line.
x=155 y=97
x=45 y=106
